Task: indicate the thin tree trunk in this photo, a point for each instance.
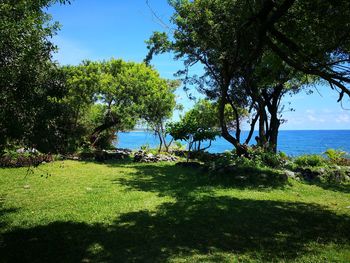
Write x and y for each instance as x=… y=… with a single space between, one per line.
x=98 y=130
x=160 y=142
x=241 y=149
x=252 y=127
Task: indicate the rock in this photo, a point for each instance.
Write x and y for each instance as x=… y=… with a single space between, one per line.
x=322 y=171
x=21 y=150
x=308 y=174
x=142 y=156
x=27 y=150
x=289 y=174
x=337 y=176
x=26 y=186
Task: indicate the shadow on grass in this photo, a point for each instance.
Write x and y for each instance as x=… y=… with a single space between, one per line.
x=336 y=187
x=180 y=182
x=266 y=230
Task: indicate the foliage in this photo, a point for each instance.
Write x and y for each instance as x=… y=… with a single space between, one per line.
x=178 y=146
x=253 y=53
x=310 y=160
x=31 y=86
x=12 y=158
x=197 y=125
x=159 y=110
x=268 y=159
x=338 y=157
x=112 y=96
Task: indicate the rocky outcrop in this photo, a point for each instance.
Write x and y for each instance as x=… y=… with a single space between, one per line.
x=117 y=154
x=144 y=157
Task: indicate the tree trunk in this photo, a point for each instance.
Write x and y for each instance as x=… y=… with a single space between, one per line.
x=160 y=142
x=97 y=131
x=241 y=149
x=273 y=134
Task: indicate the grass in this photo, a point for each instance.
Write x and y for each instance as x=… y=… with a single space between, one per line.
x=126 y=212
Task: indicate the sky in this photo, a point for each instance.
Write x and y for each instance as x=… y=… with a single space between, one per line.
x=102 y=29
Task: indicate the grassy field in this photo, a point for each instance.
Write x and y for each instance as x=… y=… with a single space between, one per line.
x=126 y=212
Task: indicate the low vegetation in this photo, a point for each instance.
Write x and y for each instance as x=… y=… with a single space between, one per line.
x=134 y=212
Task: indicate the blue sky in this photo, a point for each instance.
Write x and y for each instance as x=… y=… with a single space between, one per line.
x=102 y=29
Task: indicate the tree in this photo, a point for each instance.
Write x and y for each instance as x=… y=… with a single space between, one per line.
x=31 y=86
x=159 y=108
x=233 y=40
x=199 y=124
x=126 y=92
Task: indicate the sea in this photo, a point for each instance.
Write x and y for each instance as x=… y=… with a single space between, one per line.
x=293 y=143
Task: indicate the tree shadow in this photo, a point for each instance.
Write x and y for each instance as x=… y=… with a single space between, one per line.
x=335 y=187
x=265 y=230
x=180 y=182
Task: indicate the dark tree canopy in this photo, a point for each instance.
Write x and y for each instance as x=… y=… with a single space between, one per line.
x=31 y=86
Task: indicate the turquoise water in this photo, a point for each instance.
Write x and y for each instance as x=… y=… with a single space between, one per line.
x=291 y=142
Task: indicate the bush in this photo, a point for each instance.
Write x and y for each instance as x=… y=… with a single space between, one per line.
x=16 y=159
x=267 y=159
x=176 y=145
x=312 y=160
x=337 y=157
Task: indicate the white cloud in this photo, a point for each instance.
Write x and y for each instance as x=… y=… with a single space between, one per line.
x=343 y=118
x=310 y=111
x=314 y=119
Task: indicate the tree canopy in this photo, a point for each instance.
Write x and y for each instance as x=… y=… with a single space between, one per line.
x=31 y=86
x=254 y=51
x=126 y=93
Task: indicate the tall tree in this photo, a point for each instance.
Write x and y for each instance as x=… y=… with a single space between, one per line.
x=232 y=37
x=30 y=84
x=158 y=109
x=126 y=92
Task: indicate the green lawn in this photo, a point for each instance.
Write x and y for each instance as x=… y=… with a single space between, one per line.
x=125 y=212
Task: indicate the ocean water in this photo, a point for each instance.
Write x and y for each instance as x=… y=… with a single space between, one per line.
x=293 y=143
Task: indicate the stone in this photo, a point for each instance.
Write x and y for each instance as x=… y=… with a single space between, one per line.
x=142 y=156
x=21 y=150
x=322 y=171
x=290 y=174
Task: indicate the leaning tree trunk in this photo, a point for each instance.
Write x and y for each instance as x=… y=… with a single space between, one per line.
x=240 y=148
x=98 y=130
x=160 y=142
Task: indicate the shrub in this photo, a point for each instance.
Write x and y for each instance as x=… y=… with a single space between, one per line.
x=310 y=160
x=337 y=157
x=178 y=146
x=24 y=159
x=267 y=159
x=145 y=147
